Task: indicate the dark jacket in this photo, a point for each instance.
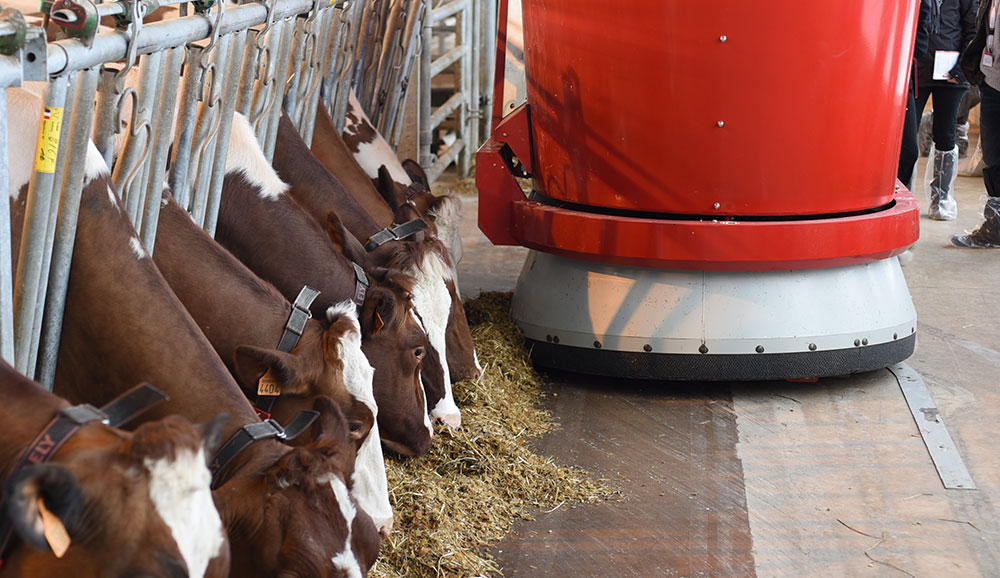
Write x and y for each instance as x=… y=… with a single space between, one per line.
x=954 y=29
x=973 y=53
x=923 y=23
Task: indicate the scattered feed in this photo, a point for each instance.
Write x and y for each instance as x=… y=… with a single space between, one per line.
x=468 y=491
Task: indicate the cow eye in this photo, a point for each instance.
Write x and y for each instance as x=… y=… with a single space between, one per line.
x=355 y=426
x=419 y=353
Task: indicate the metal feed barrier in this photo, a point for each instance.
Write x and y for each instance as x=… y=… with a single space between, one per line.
x=168 y=90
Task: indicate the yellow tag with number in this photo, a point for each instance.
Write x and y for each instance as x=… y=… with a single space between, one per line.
x=48 y=140
x=268 y=385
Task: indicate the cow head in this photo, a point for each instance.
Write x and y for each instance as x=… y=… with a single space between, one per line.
x=327 y=366
x=396 y=344
x=295 y=516
x=121 y=505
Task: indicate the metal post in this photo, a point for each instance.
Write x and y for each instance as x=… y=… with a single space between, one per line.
x=105 y=122
x=184 y=133
x=284 y=51
x=263 y=94
x=127 y=175
x=207 y=128
x=6 y=274
x=322 y=51
x=39 y=200
x=427 y=158
x=65 y=228
x=232 y=87
x=302 y=31
x=488 y=47
x=161 y=146
x=248 y=74
x=50 y=226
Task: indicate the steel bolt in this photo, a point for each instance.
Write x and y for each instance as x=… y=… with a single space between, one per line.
x=760 y=349
x=895 y=336
x=716 y=205
x=857 y=342
x=812 y=347
x=548 y=338
x=555 y=339
x=864 y=341
x=703 y=348
x=647 y=348
x=723 y=38
x=721 y=124
x=597 y=344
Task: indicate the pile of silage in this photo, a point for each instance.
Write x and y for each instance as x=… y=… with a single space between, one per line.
x=468 y=491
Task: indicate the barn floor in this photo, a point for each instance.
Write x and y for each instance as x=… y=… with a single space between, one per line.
x=776 y=478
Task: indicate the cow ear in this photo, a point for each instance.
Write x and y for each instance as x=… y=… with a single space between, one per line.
x=43 y=502
x=387 y=188
x=256 y=366
x=211 y=435
x=379 y=306
x=335 y=230
x=416 y=173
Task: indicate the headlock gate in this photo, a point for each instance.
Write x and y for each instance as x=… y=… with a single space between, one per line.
x=156 y=90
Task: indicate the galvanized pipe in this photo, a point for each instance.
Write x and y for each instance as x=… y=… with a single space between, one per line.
x=302 y=31
x=65 y=228
x=127 y=177
x=464 y=38
x=209 y=118
x=304 y=114
x=445 y=10
x=162 y=138
x=232 y=87
x=6 y=274
x=281 y=78
x=106 y=121
x=72 y=55
x=264 y=90
x=39 y=200
x=427 y=157
x=50 y=226
x=248 y=74
x=184 y=133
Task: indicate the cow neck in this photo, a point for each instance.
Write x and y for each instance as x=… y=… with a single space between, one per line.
x=240 y=309
x=116 y=333
x=331 y=150
x=26 y=409
x=316 y=188
x=276 y=240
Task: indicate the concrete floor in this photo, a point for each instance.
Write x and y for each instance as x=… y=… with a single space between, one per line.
x=776 y=478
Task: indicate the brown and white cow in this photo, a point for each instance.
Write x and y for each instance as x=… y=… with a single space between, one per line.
x=371 y=152
x=129 y=504
x=319 y=192
x=266 y=230
x=326 y=360
x=283 y=507
x=363 y=153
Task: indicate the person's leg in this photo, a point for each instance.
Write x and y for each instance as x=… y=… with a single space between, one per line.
x=944 y=162
x=908 y=149
x=988 y=234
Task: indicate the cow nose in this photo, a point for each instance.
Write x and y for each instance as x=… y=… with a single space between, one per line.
x=452 y=420
x=385 y=528
x=476 y=375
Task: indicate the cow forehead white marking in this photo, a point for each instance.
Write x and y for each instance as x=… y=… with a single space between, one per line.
x=245 y=155
x=433 y=303
x=371 y=487
x=179 y=490
x=345 y=560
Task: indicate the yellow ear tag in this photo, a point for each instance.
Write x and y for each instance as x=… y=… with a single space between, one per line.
x=379 y=324
x=55 y=533
x=268 y=385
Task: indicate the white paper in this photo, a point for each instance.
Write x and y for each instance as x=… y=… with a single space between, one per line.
x=944 y=61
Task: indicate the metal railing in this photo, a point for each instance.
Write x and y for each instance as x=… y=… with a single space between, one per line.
x=164 y=91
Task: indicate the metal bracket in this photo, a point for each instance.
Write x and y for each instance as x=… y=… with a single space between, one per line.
x=34 y=55
x=950 y=467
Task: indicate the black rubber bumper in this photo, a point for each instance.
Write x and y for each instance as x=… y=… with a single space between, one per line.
x=707 y=367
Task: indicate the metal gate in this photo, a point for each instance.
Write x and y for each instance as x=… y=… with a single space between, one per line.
x=165 y=90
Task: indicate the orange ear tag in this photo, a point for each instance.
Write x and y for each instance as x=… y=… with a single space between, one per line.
x=379 y=324
x=55 y=532
x=268 y=385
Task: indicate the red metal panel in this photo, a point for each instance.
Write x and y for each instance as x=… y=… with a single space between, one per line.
x=717 y=245
x=626 y=101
